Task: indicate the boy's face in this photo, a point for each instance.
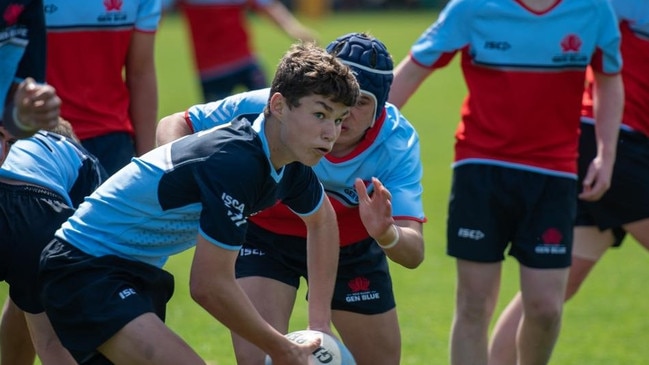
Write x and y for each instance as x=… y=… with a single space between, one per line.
x=308 y=131
x=6 y=141
x=355 y=125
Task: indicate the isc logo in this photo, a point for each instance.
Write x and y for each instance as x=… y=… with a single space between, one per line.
x=474 y=234
x=235 y=209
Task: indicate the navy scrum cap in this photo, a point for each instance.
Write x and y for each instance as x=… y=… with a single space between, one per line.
x=370 y=62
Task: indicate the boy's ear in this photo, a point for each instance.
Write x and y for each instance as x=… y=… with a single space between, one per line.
x=277 y=103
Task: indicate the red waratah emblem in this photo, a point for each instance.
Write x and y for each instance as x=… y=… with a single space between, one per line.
x=552 y=236
x=12 y=12
x=113 y=5
x=571 y=43
x=359 y=284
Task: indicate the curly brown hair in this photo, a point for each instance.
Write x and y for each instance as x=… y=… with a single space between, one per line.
x=306 y=69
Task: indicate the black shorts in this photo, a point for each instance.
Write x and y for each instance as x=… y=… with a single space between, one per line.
x=30 y=216
x=363 y=283
x=88 y=299
x=250 y=76
x=492 y=206
x=628 y=198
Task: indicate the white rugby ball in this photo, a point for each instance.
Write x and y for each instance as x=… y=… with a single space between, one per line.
x=330 y=352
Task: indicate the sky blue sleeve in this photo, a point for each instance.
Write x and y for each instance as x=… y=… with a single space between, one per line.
x=450 y=33
x=608 y=43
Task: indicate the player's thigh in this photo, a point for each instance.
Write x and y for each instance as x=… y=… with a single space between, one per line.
x=640 y=231
x=46 y=343
x=590 y=243
x=147 y=340
x=273 y=299
x=543 y=289
x=478 y=283
x=372 y=339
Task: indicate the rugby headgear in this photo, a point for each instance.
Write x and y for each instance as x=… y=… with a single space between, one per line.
x=370 y=62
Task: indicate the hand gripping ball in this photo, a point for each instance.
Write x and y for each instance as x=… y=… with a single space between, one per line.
x=330 y=352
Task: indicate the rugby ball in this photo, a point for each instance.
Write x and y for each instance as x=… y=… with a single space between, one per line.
x=330 y=352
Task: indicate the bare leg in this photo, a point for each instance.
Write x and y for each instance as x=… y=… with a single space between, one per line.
x=15 y=343
x=476 y=297
x=146 y=340
x=589 y=245
x=542 y=293
x=47 y=344
x=274 y=300
x=640 y=231
x=372 y=339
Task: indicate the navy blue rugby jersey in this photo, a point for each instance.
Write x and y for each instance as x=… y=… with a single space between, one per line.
x=207 y=183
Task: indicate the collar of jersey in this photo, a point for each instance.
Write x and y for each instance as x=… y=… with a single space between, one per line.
x=258 y=126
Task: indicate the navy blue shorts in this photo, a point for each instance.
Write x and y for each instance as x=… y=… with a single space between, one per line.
x=492 y=206
x=88 y=299
x=251 y=77
x=30 y=216
x=628 y=198
x=363 y=284
x=113 y=150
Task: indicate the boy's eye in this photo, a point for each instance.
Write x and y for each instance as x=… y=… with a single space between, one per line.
x=339 y=121
x=319 y=115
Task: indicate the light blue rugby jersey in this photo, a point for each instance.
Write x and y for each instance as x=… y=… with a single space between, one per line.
x=391 y=152
x=54 y=162
x=156 y=205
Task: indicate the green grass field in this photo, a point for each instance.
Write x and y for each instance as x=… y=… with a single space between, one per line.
x=604 y=324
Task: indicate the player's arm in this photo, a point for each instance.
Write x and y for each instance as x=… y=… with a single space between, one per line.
x=408 y=75
x=214 y=287
x=143 y=89
x=402 y=240
x=608 y=106
x=172 y=127
x=323 y=247
x=283 y=18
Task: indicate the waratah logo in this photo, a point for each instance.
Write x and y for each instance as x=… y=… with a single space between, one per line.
x=359 y=284
x=552 y=236
x=113 y=5
x=571 y=43
x=12 y=12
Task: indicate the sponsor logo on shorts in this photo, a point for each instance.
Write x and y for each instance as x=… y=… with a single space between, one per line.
x=551 y=243
x=472 y=234
x=127 y=293
x=361 y=292
x=245 y=251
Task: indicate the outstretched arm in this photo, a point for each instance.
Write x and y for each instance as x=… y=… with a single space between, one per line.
x=407 y=77
x=402 y=240
x=323 y=248
x=214 y=287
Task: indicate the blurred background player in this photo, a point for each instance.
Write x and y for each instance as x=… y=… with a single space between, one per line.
x=377 y=151
x=42 y=180
x=222 y=41
x=197 y=192
x=26 y=105
x=515 y=170
x=625 y=206
x=101 y=61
